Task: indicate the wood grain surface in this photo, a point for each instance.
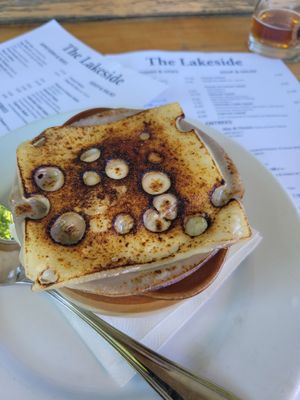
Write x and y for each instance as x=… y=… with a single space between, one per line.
x=63 y=10
x=181 y=33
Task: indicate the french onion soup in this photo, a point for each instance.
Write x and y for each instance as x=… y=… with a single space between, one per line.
x=122 y=202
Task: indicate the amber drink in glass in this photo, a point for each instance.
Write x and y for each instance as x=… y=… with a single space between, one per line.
x=275 y=29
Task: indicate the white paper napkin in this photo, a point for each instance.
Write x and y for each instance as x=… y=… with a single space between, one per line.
x=155 y=329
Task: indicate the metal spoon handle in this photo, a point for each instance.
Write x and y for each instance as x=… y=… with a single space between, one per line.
x=168 y=379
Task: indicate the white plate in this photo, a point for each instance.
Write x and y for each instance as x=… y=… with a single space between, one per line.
x=246 y=338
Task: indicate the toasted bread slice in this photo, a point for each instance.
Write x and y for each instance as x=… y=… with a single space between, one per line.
x=127 y=153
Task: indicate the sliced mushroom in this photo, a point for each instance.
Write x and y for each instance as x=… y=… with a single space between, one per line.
x=123 y=223
x=35 y=207
x=90 y=155
x=166 y=205
x=156 y=182
x=195 y=225
x=116 y=169
x=155 y=157
x=155 y=222
x=182 y=125
x=220 y=196
x=68 y=229
x=144 y=135
x=91 y=178
x=49 y=179
x=48 y=276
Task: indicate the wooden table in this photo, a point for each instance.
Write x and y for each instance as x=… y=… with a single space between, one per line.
x=198 y=33
x=65 y=10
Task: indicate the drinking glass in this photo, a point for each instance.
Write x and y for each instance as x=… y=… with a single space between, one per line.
x=275 y=29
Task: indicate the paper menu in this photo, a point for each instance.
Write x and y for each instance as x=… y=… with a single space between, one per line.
x=252 y=99
x=48 y=71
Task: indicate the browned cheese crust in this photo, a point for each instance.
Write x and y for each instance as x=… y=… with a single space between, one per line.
x=182 y=156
